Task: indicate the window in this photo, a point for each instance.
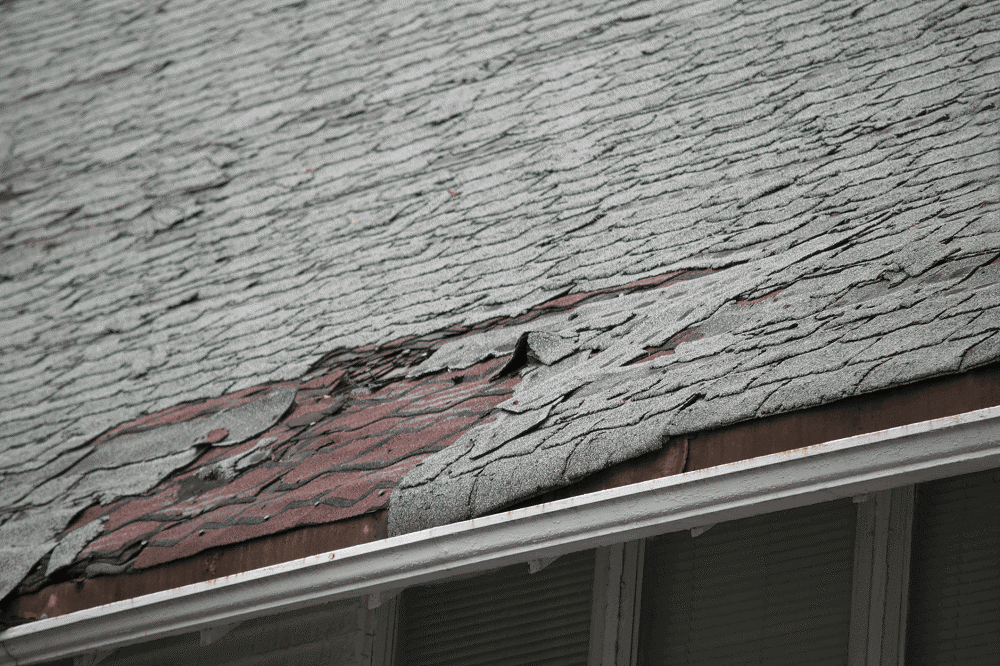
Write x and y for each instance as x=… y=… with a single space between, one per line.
x=955 y=572
x=771 y=589
x=506 y=617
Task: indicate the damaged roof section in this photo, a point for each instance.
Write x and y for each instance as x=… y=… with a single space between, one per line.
x=267 y=459
x=741 y=344
x=38 y=504
x=539 y=240
x=174 y=231
x=473 y=419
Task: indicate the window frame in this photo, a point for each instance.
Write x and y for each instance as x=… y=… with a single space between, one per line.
x=880 y=584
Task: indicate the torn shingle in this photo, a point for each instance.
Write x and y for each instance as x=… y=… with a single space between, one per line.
x=71 y=544
x=127 y=465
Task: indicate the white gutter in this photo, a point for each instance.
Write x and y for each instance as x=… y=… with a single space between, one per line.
x=841 y=468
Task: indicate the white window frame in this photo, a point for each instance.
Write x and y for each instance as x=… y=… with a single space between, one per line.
x=614 y=627
x=380 y=626
x=884 y=530
x=879 y=599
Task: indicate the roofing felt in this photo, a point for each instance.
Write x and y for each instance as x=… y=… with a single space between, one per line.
x=206 y=219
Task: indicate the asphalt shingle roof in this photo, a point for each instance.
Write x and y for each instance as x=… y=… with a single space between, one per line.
x=762 y=206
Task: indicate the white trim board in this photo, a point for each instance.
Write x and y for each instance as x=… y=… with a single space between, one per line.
x=822 y=472
x=881 y=578
x=617 y=592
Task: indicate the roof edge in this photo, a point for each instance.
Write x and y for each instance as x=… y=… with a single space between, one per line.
x=821 y=472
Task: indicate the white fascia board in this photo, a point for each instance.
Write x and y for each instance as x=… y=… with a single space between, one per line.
x=822 y=472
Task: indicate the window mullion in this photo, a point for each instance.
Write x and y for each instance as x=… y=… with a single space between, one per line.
x=615 y=608
x=881 y=578
x=381 y=623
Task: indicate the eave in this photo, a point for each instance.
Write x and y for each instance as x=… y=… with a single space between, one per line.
x=840 y=468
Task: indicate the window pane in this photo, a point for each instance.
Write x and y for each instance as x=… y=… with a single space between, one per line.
x=955 y=572
x=772 y=589
x=506 y=617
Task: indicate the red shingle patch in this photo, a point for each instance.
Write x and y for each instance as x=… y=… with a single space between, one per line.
x=443 y=443
x=318 y=463
x=92 y=513
x=367 y=416
x=442 y=400
x=126 y=511
x=374 y=429
x=420 y=440
x=247 y=484
x=326 y=381
x=418 y=390
x=176 y=531
x=320 y=485
x=568 y=301
x=311 y=412
x=395 y=390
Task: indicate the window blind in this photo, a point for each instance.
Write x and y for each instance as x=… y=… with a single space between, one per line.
x=506 y=617
x=771 y=589
x=955 y=572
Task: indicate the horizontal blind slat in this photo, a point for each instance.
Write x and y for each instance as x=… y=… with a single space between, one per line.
x=772 y=589
x=503 y=618
x=954 y=614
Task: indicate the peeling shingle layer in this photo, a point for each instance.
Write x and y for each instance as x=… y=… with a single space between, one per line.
x=193 y=205
x=688 y=358
x=330 y=446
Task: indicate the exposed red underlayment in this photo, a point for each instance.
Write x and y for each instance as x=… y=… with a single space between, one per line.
x=356 y=427
x=83 y=593
x=337 y=454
